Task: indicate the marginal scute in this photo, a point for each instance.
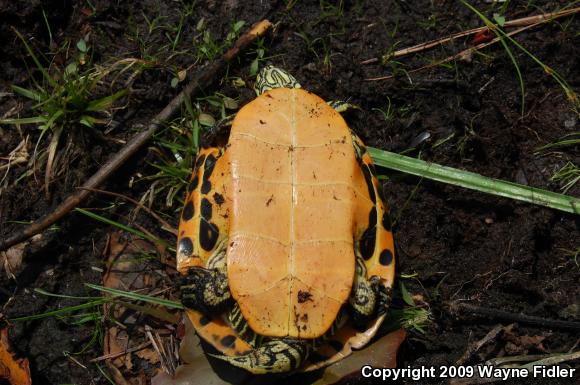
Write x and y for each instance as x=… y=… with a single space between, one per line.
x=373 y=216
x=206 y=209
x=367 y=242
x=228 y=341
x=188 y=211
x=205 y=186
x=193 y=184
x=208 y=235
x=185 y=246
x=387 y=221
x=199 y=161
x=386 y=257
x=209 y=166
x=369 y=181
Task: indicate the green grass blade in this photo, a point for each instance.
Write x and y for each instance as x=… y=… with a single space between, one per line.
x=106 y=102
x=31 y=120
x=121 y=226
x=137 y=297
x=30 y=94
x=40 y=67
x=501 y=36
x=475 y=181
x=65 y=310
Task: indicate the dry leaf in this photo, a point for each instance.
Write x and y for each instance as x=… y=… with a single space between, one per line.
x=380 y=354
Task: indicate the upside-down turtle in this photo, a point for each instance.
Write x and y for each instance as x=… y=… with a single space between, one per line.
x=285 y=234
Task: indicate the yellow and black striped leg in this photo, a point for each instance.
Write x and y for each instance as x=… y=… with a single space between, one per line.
x=275 y=356
x=207 y=290
x=240 y=325
x=342 y=105
x=369 y=297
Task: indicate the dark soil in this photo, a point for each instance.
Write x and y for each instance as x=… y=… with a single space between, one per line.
x=459 y=245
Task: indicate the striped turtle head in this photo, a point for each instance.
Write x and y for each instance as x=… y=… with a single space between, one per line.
x=271 y=77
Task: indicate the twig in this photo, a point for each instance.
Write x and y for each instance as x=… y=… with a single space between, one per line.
x=203 y=80
x=462 y=54
x=121 y=353
x=525 y=21
x=495 y=314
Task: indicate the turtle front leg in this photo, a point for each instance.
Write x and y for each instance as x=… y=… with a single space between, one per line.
x=275 y=356
x=207 y=290
x=369 y=297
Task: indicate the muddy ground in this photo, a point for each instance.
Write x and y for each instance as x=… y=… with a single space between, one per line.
x=457 y=244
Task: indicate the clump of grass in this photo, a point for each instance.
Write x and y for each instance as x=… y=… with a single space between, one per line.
x=414 y=316
x=64 y=99
x=179 y=143
x=567 y=176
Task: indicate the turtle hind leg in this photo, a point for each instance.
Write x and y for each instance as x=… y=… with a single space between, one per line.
x=274 y=356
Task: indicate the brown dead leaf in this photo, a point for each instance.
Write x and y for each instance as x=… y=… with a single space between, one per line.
x=15 y=370
x=380 y=354
x=11 y=259
x=140 y=334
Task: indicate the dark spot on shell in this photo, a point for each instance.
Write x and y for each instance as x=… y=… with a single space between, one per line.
x=228 y=341
x=185 y=246
x=204 y=320
x=370 y=185
x=205 y=186
x=304 y=296
x=367 y=243
x=387 y=221
x=381 y=193
x=209 y=166
x=218 y=198
x=199 y=161
x=208 y=235
x=206 y=209
x=262 y=122
x=193 y=184
x=188 y=211
x=386 y=257
x=373 y=216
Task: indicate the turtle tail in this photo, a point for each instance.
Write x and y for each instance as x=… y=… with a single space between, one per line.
x=275 y=356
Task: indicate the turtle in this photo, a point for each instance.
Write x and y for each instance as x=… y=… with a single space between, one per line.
x=285 y=239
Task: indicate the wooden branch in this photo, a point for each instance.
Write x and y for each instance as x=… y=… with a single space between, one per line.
x=202 y=80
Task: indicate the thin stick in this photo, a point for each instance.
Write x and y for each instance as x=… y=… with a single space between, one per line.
x=495 y=314
x=525 y=21
x=461 y=54
x=203 y=80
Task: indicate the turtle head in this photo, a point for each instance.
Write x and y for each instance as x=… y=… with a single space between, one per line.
x=273 y=77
